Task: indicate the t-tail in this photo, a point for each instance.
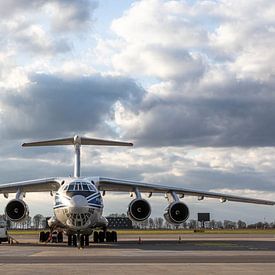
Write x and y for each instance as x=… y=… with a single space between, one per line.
x=77 y=141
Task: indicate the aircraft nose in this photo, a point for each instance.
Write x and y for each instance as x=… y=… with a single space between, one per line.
x=78 y=201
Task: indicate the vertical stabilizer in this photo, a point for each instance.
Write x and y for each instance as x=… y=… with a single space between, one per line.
x=77 y=141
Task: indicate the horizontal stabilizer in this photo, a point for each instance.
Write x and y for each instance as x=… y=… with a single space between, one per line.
x=93 y=141
x=77 y=140
x=53 y=142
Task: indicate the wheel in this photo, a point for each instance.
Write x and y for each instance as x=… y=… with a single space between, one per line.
x=114 y=236
x=60 y=237
x=47 y=235
x=42 y=237
x=96 y=239
x=108 y=236
x=87 y=241
x=78 y=240
x=74 y=241
x=82 y=240
x=101 y=236
x=54 y=237
x=69 y=240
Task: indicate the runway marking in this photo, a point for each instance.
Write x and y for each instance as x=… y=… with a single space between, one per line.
x=157 y=259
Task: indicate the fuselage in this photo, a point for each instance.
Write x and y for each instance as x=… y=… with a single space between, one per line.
x=78 y=206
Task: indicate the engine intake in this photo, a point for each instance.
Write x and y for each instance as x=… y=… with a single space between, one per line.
x=17 y=210
x=139 y=210
x=176 y=213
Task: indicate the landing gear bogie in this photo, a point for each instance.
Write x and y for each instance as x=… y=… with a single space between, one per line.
x=105 y=236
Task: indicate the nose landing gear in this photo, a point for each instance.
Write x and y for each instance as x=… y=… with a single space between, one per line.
x=78 y=240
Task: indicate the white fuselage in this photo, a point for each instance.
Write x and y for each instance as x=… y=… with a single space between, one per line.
x=78 y=207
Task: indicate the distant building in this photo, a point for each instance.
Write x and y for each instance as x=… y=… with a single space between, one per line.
x=119 y=223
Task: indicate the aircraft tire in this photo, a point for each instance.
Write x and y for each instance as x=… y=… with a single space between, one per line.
x=108 y=236
x=47 y=235
x=69 y=240
x=101 y=236
x=82 y=240
x=60 y=237
x=87 y=240
x=42 y=237
x=114 y=236
x=96 y=237
x=74 y=241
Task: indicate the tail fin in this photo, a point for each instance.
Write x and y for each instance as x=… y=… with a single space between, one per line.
x=77 y=141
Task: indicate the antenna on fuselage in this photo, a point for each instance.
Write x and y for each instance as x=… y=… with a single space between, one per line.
x=77 y=141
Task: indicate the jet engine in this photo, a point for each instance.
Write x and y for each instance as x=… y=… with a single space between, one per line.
x=139 y=210
x=176 y=213
x=17 y=210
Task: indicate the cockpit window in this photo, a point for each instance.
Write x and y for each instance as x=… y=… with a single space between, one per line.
x=85 y=187
x=71 y=187
x=91 y=188
x=80 y=188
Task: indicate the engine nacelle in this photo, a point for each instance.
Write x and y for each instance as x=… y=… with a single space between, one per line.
x=139 y=210
x=17 y=210
x=176 y=213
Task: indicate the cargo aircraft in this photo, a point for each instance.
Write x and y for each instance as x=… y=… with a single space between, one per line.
x=78 y=203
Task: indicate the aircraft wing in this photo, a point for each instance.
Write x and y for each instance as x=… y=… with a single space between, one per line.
x=108 y=184
x=38 y=185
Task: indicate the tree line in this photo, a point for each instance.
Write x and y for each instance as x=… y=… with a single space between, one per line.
x=161 y=223
x=38 y=221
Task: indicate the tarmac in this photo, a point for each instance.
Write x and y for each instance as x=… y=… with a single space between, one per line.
x=137 y=254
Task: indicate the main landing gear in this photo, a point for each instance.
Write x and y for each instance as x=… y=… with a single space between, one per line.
x=54 y=237
x=105 y=236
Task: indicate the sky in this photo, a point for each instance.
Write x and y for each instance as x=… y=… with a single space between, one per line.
x=190 y=83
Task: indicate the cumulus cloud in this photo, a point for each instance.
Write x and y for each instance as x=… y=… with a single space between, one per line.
x=215 y=71
x=43 y=29
x=71 y=15
x=64 y=15
x=158 y=42
x=51 y=105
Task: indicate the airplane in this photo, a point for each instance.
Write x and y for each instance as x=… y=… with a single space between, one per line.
x=78 y=203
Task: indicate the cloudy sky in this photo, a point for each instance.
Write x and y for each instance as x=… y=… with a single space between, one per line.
x=191 y=83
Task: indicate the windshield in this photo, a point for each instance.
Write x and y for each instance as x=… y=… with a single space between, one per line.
x=80 y=188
